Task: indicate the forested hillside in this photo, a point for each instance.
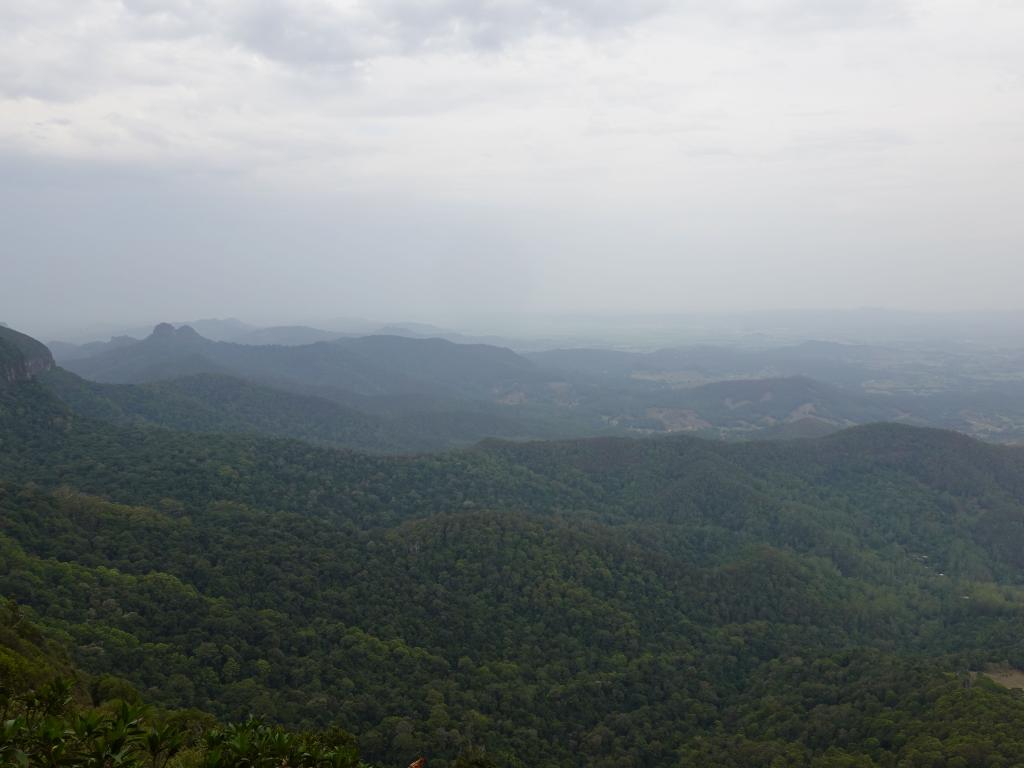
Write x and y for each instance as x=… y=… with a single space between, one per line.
x=54 y=714
x=216 y=403
x=604 y=602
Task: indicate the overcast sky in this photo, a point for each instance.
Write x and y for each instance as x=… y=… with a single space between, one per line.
x=425 y=159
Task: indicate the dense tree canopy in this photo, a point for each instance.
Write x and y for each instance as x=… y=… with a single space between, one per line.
x=604 y=602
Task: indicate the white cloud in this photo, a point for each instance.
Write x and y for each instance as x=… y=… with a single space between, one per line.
x=634 y=144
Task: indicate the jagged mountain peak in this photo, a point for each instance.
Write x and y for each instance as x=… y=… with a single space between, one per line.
x=166 y=332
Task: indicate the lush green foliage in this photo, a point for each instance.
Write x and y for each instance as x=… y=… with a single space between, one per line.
x=606 y=602
x=50 y=717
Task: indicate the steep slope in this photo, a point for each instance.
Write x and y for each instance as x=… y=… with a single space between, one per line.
x=21 y=357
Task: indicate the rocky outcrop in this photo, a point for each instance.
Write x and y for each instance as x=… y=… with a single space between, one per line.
x=23 y=370
x=21 y=357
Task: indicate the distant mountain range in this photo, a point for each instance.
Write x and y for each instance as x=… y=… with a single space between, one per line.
x=372 y=365
x=397 y=393
x=381 y=393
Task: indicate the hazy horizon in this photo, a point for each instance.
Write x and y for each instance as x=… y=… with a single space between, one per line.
x=298 y=159
x=609 y=329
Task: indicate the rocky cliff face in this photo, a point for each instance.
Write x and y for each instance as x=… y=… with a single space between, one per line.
x=23 y=370
x=21 y=357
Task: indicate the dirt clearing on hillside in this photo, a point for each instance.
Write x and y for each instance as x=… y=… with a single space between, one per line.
x=1009 y=677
